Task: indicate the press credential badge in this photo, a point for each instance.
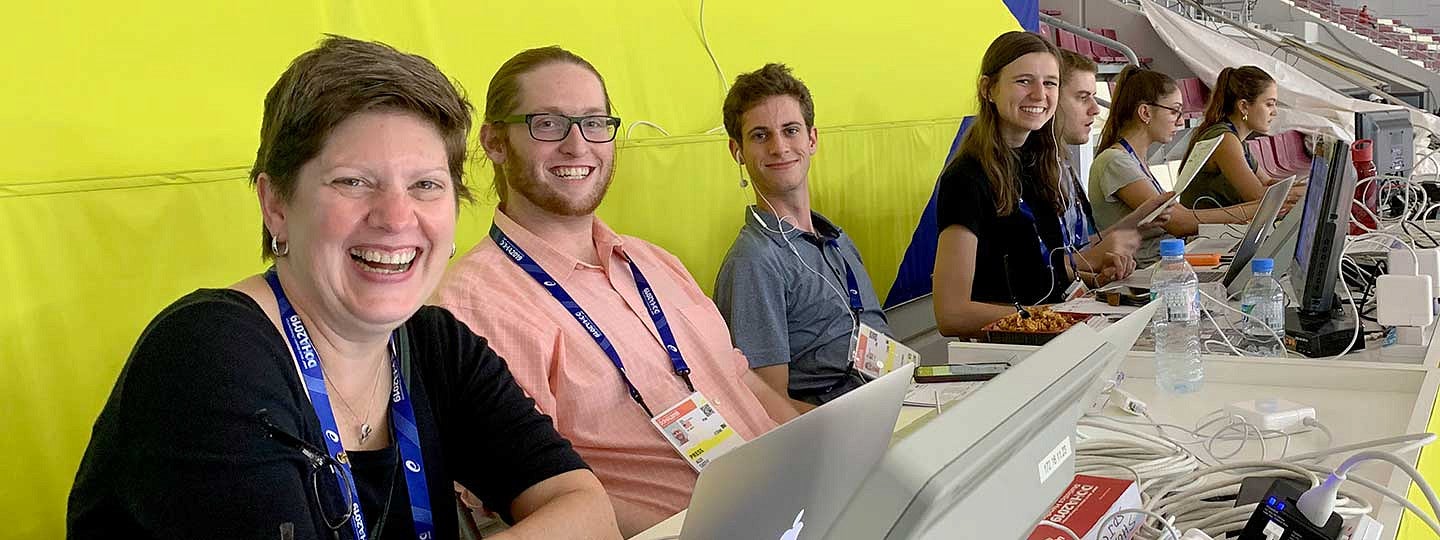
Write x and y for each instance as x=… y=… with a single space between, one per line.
x=697 y=431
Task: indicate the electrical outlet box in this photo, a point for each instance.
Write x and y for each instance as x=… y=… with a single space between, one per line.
x=1273 y=414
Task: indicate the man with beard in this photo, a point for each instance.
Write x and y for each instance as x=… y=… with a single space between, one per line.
x=605 y=332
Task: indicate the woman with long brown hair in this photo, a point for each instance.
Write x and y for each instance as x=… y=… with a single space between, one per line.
x=1244 y=102
x=1145 y=109
x=1003 y=240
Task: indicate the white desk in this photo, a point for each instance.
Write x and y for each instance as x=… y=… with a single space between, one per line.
x=1359 y=400
x=1370 y=395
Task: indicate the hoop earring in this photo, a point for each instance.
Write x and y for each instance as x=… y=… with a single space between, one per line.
x=1244 y=117
x=452 y=251
x=276 y=249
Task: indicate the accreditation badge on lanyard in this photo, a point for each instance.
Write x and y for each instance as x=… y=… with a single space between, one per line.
x=697 y=430
x=693 y=426
x=874 y=354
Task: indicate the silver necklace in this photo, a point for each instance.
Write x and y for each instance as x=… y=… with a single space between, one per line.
x=365 y=429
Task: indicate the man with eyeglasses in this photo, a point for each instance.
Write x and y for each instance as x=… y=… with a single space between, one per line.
x=609 y=334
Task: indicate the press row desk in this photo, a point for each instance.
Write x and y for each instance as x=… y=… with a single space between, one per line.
x=1369 y=395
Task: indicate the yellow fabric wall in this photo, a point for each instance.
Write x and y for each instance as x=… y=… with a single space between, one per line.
x=128 y=129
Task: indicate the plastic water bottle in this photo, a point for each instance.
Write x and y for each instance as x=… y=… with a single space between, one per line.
x=1264 y=301
x=1176 y=325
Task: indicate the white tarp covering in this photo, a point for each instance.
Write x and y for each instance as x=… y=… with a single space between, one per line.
x=1306 y=105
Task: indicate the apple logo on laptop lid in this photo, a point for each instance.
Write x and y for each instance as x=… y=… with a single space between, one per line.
x=794 y=532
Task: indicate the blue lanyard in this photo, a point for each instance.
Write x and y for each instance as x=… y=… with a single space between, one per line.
x=647 y=293
x=1080 y=235
x=402 y=418
x=1024 y=208
x=1126 y=145
x=852 y=285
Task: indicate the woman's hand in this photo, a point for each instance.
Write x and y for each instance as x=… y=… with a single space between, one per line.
x=1132 y=220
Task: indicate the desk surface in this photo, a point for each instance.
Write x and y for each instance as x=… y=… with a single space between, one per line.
x=1358 y=400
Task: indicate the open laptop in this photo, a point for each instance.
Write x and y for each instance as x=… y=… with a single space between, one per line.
x=1244 y=248
x=793 y=482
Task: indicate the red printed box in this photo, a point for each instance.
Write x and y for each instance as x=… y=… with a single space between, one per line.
x=1085 y=502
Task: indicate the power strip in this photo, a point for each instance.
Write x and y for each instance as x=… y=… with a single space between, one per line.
x=1271 y=414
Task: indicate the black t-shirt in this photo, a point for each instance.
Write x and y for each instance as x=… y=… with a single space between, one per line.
x=178 y=452
x=965 y=198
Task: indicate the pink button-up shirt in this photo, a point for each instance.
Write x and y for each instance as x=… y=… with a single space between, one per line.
x=559 y=364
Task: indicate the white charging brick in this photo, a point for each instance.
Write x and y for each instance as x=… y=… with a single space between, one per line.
x=1403 y=263
x=1272 y=414
x=1402 y=300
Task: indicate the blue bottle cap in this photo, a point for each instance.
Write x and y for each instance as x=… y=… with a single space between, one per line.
x=1262 y=265
x=1172 y=247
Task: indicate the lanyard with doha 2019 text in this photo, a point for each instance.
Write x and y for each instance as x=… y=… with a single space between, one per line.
x=647 y=294
x=402 y=418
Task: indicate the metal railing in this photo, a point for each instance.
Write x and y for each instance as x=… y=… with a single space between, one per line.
x=1092 y=36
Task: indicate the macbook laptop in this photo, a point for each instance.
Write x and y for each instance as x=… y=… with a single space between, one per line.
x=793 y=482
x=1244 y=248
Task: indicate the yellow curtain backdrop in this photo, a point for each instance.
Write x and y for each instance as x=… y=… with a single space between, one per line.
x=129 y=129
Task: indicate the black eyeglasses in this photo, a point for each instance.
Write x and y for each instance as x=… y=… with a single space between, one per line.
x=1175 y=110
x=550 y=127
x=323 y=468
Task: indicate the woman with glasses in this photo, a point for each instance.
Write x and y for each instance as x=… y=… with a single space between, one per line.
x=1144 y=110
x=1001 y=208
x=319 y=399
x=1244 y=102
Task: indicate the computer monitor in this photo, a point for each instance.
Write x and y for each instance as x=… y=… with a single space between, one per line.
x=1394 y=138
x=989 y=465
x=1325 y=218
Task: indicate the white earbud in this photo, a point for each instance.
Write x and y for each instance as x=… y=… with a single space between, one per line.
x=741 y=162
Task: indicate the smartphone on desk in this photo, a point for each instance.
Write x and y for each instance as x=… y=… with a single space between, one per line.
x=959 y=372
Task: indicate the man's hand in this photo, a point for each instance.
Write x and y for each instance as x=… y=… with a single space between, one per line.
x=1118 y=266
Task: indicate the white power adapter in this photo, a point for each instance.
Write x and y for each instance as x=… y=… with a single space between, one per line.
x=1404 y=300
x=1362 y=528
x=1271 y=414
x=1401 y=262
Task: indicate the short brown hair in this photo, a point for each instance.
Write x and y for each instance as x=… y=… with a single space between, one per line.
x=338 y=79
x=752 y=88
x=503 y=95
x=1071 y=62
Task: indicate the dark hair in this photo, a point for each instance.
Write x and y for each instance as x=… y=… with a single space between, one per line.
x=1233 y=85
x=1135 y=86
x=752 y=88
x=343 y=77
x=983 y=141
x=503 y=95
x=1071 y=62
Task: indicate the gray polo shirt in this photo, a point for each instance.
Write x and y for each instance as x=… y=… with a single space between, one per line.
x=781 y=312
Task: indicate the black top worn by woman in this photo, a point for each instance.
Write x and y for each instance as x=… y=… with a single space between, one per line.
x=178 y=451
x=966 y=198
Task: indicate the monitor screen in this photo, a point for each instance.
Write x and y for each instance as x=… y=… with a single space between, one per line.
x=1393 y=137
x=1309 y=218
x=1324 y=221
